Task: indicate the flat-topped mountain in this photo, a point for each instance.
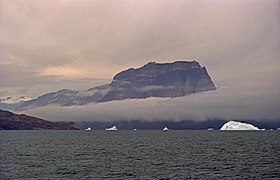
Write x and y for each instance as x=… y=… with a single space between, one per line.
x=11 y=121
x=174 y=79
x=160 y=80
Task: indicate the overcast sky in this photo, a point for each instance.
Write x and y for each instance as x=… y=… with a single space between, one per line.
x=47 y=45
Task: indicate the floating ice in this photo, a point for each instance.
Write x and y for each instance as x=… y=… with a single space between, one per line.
x=165 y=129
x=113 y=128
x=233 y=125
x=88 y=129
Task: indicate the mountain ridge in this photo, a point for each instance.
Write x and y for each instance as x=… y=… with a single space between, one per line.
x=160 y=80
x=12 y=121
x=172 y=79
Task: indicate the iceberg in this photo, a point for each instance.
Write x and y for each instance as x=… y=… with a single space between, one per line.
x=210 y=129
x=165 y=129
x=88 y=129
x=113 y=128
x=234 y=125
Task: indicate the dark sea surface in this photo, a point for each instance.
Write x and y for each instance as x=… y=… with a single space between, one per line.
x=139 y=155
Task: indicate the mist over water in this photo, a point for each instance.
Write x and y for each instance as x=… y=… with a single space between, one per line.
x=227 y=102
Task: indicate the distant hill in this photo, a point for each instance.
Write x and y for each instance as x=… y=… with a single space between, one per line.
x=11 y=121
x=151 y=80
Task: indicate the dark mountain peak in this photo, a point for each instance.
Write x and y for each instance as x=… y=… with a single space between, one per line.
x=160 y=80
x=156 y=68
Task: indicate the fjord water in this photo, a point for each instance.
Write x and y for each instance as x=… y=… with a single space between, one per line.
x=140 y=154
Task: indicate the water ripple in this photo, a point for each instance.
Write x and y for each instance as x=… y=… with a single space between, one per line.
x=139 y=155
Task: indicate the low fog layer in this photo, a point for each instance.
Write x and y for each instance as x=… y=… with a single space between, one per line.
x=253 y=102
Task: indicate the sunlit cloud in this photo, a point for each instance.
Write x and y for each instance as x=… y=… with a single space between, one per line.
x=65 y=71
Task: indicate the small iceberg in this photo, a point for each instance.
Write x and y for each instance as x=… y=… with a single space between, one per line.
x=113 y=128
x=210 y=129
x=278 y=129
x=88 y=129
x=165 y=129
x=135 y=129
x=234 y=125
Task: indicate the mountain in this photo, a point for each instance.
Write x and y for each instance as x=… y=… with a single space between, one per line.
x=151 y=80
x=11 y=121
x=160 y=80
x=62 y=97
x=65 y=97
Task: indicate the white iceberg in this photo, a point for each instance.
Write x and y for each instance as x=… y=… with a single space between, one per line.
x=113 y=128
x=165 y=129
x=278 y=129
x=88 y=129
x=210 y=129
x=234 y=125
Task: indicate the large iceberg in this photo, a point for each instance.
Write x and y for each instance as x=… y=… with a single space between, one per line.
x=233 y=125
x=113 y=128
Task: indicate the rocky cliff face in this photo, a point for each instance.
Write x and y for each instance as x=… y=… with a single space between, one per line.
x=160 y=80
x=11 y=121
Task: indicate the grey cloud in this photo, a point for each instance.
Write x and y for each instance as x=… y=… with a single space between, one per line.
x=130 y=33
x=238 y=41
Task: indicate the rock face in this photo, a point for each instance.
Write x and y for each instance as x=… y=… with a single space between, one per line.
x=233 y=125
x=152 y=80
x=11 y=121
x=160 y=80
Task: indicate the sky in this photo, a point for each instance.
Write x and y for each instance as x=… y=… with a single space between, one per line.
x=47 y=45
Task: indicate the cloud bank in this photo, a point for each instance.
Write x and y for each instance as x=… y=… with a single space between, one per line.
x=223 y=103
x=45 y=43
x=50 y=45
